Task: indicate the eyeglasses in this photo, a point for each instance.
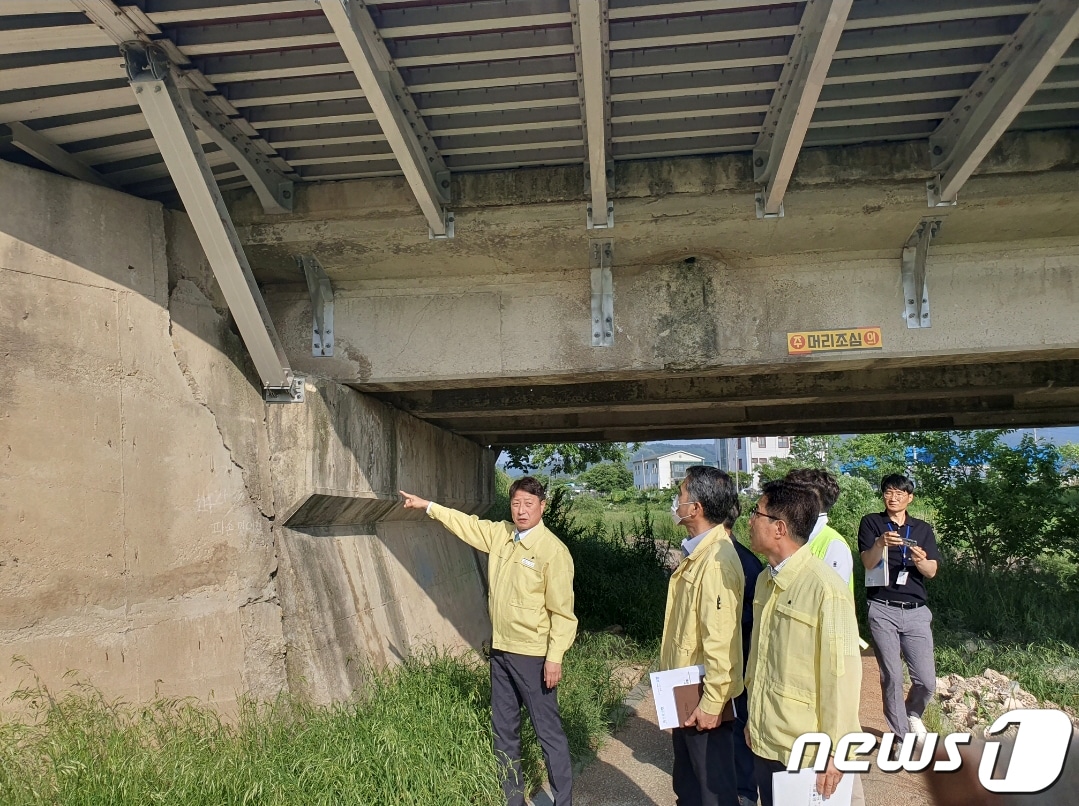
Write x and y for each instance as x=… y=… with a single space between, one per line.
x=757 y=511
x=675 y=503
x=895 y=494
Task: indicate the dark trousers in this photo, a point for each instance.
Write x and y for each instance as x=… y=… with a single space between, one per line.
x=764 y=768
x=743 y=757
x=516 y=680
x=704 y=766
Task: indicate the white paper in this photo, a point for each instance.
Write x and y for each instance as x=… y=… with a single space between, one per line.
x=663 y=686
x=877 y=576
x=800 y=789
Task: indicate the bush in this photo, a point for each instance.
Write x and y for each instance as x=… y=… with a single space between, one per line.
x=1004 y=505
x=420 y=735
x=620 y=576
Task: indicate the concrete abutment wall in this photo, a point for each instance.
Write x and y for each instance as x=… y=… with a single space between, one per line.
x=143 y=479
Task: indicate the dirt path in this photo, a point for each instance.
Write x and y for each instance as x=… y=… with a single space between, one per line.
x=634 y=767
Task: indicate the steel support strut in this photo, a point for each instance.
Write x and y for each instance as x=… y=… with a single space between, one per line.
x=592 y=51
x=212 y=113
x=794 y=100
x=998 y=95
x=150 y=75
x=397 y=115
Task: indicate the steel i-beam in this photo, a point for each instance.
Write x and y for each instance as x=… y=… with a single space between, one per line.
x=150 y=75
x=591 y=32
x=793 y=102
x=41 y=148
x=998 y=95
x=392 y=105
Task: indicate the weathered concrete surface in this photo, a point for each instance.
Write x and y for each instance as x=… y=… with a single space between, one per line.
x=863 y=200
x=702 y=346
x=140 y=480
x=135 y=540
x=704 y=293
x=362 y=581
x=677 y=316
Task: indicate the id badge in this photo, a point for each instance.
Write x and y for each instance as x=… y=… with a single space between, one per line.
x=901 y=579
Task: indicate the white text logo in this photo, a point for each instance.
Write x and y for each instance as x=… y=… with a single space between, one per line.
x=1036 y=761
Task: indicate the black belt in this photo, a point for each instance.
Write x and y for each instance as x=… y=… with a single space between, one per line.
x=903 y=605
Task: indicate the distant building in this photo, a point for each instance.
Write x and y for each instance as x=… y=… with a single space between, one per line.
x=660 y=472
x=746 y=454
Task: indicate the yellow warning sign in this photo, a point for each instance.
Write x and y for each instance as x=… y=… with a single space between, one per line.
x=828 y=341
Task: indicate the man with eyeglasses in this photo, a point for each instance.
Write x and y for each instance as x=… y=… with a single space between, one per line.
x=899 y=620
x=702 y=626
x=805 y=671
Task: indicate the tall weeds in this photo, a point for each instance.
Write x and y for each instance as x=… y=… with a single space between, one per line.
x=420 y=734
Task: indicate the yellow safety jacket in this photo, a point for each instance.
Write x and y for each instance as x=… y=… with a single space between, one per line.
x=819 y=546
x=530 y=584
x=703 y=621
x=805 y=671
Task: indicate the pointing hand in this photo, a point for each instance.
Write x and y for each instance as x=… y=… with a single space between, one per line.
x=413 y=501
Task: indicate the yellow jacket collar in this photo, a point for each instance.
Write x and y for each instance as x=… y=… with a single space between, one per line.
x=529 y=540
x=714 y=534
x=792 y=568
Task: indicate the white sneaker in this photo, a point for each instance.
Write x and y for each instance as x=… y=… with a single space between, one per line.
x=917 y=727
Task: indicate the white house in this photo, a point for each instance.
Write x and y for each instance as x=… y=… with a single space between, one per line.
x=660 y=472
x=746 y=454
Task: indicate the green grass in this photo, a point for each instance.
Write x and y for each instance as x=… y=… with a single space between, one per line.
x=420 y=735
x=1021 y=623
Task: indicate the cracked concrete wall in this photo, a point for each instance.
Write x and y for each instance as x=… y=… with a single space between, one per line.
x=135 y=505
x=363 y=583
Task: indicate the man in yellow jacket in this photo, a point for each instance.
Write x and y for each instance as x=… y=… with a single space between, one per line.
x=703 y=626
x=805 y=671
x=530 y=597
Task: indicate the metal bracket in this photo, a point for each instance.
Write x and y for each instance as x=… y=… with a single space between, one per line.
x=141 y=58
x=293 y=393
x=932 y=192
x=600 y=258
x=761 y=212
x=590 y=222
x=915 y=291
x=321 y=291
x=447 y=218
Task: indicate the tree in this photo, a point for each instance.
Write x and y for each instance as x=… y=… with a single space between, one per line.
x=777 y=468
x=821 y=451
x=565 y=457
x=607 y=477
x=874 y=456
x=857 y=497
x=1002 y=504
x=1069 y=455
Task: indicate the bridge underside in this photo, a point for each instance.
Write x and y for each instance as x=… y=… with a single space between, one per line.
x=478 y=185
x=903 y=394
x=490 y=335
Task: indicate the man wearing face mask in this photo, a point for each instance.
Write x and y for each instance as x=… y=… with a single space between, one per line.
x=702 y=626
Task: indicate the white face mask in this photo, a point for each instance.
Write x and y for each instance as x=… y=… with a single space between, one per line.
x=674 y=511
